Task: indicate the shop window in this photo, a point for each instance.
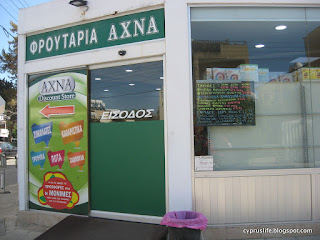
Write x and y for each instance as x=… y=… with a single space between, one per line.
x=256 y=84
x=127 y=93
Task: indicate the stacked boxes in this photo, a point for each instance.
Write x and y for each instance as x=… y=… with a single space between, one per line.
x=245 y=72
x=251 y=72
x=306 y=74
x=223 y=74
x=281 y=77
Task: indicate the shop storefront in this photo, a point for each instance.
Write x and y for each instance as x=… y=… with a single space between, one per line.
x=133 y=109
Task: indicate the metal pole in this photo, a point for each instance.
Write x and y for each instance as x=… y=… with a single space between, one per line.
x=3 y=165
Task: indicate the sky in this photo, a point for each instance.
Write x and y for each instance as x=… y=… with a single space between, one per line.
x=9 y=12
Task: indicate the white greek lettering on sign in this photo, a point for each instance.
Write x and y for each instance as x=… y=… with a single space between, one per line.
x=68 y=40
x=56 y=158
x=117 y=114
x=80 y=38
x=71 y=131
x=41 y=132
x=139 y=27
x=77 y=159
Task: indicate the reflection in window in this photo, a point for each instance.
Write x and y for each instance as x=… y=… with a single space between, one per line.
x=127 y=93
x=256 y=78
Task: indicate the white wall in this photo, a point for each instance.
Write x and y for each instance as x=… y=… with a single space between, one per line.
x=58 y=13
x=179 y=102
x=49 y=16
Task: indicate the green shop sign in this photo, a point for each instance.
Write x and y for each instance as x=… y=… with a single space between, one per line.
x=105 y=33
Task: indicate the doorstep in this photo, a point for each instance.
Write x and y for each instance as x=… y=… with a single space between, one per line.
x=41 y=218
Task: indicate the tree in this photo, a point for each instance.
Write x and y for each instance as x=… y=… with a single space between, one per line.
x=8 y=59
x=12 y=118
x=8 y=90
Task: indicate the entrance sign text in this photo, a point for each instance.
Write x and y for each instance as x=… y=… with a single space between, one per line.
x=105 y=33
x=117 y=114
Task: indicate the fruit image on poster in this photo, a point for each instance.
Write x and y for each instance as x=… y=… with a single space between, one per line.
x=58 y=142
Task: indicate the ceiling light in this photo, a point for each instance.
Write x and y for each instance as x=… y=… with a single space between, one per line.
x=131 y=84
x=281 y=27
x=161 y=77
x=158 y=89
x=129 y=70
x=259 y=45
x=97 y=79
x=78 y=3
x=106 y=90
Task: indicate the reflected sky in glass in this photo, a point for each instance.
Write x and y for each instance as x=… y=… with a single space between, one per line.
x=128 y=90
x=281 y=47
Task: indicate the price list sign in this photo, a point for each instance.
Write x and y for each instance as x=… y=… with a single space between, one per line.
x=225 y=104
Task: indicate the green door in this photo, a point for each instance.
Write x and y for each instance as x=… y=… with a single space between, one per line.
x=127 y=159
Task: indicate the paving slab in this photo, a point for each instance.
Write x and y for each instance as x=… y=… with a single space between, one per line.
x=2 y=228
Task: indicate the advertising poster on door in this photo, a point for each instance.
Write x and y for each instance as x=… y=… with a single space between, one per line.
x=58 y=142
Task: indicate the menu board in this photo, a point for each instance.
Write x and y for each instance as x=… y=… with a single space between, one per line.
x=225 y=104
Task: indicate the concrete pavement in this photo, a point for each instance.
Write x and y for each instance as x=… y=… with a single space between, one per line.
x=16 y=225
x=10 y=227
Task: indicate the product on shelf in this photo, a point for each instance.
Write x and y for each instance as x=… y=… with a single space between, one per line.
x=286 y=77
x=274 y=76
x=233 y=74
x=315 y=73
x=263 y=74
x=303 y=74
x=209 y=74
x=219 y=74
x=249 y=72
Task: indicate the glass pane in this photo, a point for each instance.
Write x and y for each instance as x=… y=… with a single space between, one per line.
x=312 y=41
x=254 y=92
x=127 y=93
